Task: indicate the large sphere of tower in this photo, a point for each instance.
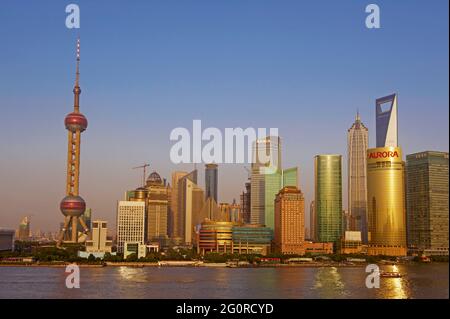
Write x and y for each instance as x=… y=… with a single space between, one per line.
x=72 y=206
x=75 y=122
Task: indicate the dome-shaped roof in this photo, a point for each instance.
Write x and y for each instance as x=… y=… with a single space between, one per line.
x=154 y=178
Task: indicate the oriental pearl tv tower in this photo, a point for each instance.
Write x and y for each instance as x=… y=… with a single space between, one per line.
x=73 y=206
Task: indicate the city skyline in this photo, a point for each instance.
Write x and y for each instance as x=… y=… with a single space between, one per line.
x=106 y=172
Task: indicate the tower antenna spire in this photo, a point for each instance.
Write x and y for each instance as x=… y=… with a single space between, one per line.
x=77 y=79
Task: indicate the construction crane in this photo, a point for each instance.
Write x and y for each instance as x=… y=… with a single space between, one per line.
x=144 y=167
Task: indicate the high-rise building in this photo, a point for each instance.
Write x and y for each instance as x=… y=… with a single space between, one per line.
x=290 y=177
x=7 y=239
x=190 y=206
x=235 y=212
x=176 y=226
x=328 y=197
x=312 y=222
x=73 y=206
x=246 y=203
x=427 y=202
x=386 y=202
x=386 y=121
x=24 y=229
x=157 y=209
x=266 y=179
x=386 y=214
x=130 y=223
x=99 y=243
x=211 y=181
x=290 y=221
x=357 y=144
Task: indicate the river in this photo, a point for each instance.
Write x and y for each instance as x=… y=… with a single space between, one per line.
x=420 y=281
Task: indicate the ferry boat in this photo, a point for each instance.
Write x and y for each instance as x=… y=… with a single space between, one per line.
x=390 y=274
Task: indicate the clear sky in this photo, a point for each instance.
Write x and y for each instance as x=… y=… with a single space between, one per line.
x=148 y=67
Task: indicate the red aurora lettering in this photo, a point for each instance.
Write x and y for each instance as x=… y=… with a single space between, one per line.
x=383 y=154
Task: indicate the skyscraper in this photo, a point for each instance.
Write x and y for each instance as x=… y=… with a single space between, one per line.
x=290 y=221
x=427 y=202
x=24 y=229
x=175 y=226
x=357 y=144
x=290 y=177
x=211 y=181
x=386 y=121
x=265 y=179
x=130 y=223
x=328 y=197
x=386 y=185
x=386 y=202
x=246 y=203
x=157 y=209
x=190 y=204
x=73 y=206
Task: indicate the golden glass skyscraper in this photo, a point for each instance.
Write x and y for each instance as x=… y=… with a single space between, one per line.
x=328 y=197
x=386 y=185
x=386 y=201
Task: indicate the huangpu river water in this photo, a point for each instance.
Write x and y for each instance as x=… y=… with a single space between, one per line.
x=420 y=281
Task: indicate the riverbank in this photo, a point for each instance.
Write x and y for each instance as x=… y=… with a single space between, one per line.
x=195 y=264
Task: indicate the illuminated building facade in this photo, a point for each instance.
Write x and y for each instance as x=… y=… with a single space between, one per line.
x=157 y=209
x=265 y=179
x=357 y=144
x=386 y=202
x=289 y=221
x=328 y=197
x=176 y=226
x=130 y=223
x=427 y=202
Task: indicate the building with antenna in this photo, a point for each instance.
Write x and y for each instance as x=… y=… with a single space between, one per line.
x=73 y=205
x=357 y=144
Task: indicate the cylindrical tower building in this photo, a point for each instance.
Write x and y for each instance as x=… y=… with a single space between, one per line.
x=386 y=202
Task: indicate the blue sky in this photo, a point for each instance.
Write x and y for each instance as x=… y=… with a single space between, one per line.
x=148 y=67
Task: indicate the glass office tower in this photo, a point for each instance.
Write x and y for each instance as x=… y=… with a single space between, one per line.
x=328 y=197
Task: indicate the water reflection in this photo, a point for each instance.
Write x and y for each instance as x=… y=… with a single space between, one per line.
x=133 y=274
x=329 y=283
x=395 y=288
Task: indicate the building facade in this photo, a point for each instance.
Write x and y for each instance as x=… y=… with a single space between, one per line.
x=289 y=221
x=386 y=202
x=312 y=222
x=427 y=202
x=386 y=121
x=211 y=181
x=7 y=239
x=246 y=203
x=357 y=144
x=328 y=197
x=130 y=223
x=157 y=209
x=266 y=179
x=175 y=219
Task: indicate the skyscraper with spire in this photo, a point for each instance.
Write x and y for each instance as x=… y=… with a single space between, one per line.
x=73 y=206
x=357 y=144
